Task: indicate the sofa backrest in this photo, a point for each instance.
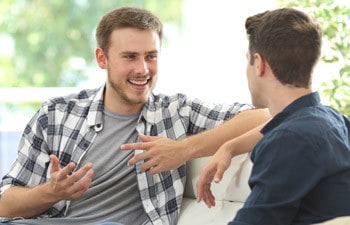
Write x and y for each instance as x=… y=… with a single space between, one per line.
x=234 y=185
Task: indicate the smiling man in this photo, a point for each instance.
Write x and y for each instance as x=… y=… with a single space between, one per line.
x=70 y=167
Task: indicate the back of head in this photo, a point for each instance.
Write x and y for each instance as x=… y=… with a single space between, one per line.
x=289 y=40
x=131 y=17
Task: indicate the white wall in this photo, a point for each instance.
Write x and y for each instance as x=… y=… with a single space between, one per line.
x=208 y=60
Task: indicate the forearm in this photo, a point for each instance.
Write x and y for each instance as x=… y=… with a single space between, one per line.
x=208 y=142
x=26 y=202
x=244 y=143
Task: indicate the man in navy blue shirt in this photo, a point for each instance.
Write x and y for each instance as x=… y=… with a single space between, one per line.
x=301 y=166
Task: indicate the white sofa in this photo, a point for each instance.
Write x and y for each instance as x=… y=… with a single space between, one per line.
x=230 y=193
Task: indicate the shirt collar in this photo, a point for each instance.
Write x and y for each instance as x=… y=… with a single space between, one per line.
x=149 y=108
x=311 y=99
x=95 y=116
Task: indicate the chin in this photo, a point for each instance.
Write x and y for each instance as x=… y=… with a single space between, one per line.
x=139 y=100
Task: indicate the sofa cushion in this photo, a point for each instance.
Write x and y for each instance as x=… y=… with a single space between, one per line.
x=193 y=213
x=234 y=185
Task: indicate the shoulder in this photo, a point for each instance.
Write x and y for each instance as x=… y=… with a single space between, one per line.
x=83 y=96
x=157 y=101
x=82 y=99
x=78 y=104
x=161 y=101
x=315 y=120
x=312 y=127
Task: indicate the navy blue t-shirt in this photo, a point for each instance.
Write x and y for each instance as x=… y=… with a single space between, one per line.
x=301 y=167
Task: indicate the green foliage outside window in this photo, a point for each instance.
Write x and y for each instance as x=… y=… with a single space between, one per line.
x=50 y=43
x=334 y=19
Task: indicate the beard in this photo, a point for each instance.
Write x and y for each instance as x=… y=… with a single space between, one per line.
x=123 y=94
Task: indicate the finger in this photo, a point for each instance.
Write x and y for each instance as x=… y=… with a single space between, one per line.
x=76 y=195
x=204 y=181
x=218 y=175
x=144 y=145
x=220 y=170
x=202 y=186
x=55 y=164
x=136 y=145
x=76 y=189
x=85 y=181
x=148 y=165
x=139 y=157
x=66 y=171
x=75 y=192
x=208 y=196
x=209 y=199
x=146 y=138
x=156 y=169
x=80 y=173
x=199 y=193
x=205 y=196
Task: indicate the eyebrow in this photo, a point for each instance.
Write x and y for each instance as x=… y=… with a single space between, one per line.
x=137 y=53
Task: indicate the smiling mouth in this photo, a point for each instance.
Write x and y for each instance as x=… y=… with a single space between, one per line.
x=139 y=82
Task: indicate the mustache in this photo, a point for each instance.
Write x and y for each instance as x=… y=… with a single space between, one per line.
x=138 y=76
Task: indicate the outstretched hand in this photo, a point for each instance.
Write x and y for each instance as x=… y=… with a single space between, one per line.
x=213 y=171
x=67 y=185
x=160 y=153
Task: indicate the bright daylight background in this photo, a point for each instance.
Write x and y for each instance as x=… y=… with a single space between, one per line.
x=206 y=60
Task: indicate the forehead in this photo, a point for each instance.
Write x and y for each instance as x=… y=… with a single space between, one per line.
x=136 y=40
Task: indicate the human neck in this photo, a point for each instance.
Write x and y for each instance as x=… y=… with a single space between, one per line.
x=120 y=106
x=283 y=97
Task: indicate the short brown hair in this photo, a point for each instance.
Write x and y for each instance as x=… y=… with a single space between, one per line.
x=289 y=40
x=125 y=17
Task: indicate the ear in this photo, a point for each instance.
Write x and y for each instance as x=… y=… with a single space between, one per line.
x=260 y=64
x=101 y=58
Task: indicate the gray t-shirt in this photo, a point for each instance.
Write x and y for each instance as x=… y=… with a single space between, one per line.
x=113 y=195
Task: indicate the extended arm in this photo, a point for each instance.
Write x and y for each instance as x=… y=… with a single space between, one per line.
x=164 y=154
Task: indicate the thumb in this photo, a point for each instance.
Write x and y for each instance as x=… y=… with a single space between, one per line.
x=55 y=164
x=219 y=174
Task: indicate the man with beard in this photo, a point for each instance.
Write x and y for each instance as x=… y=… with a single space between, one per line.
x=70 y=167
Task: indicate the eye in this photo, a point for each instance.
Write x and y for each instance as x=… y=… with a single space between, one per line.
x=152 y=56
x=129 y=56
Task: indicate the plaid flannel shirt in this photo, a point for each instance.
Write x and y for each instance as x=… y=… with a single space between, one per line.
x=67 y=126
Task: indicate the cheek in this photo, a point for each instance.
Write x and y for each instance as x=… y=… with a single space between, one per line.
x=248 y=71
x=120 y=69
x=153 y=67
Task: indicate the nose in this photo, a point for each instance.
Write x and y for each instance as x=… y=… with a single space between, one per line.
x=141 y=67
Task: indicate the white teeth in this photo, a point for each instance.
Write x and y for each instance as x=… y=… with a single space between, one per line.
x=138 y=82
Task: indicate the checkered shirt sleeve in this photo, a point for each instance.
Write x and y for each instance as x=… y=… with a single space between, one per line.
x=175 y=117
